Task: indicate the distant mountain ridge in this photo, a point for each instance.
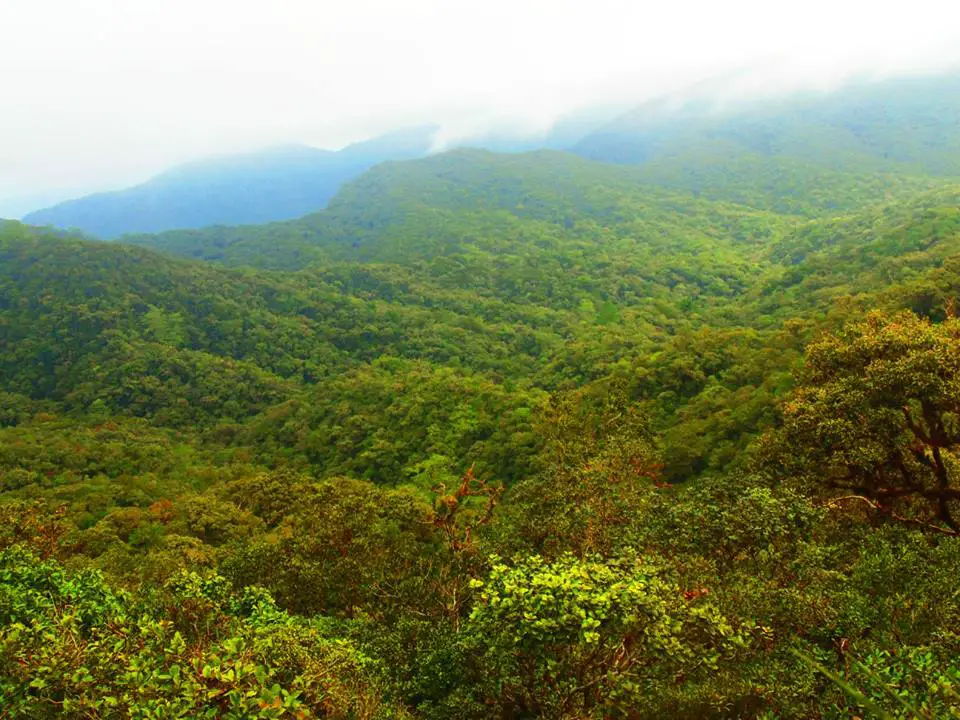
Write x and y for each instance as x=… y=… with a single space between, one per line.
x=279 y=183
x=419 y=210
x=907 y=124
x=799 y=153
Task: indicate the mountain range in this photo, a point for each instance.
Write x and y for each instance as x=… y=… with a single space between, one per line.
x=273 y=184
x=662 y=425
x=693 y=140
x=901 y=124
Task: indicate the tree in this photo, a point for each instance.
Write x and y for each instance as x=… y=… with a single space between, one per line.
x=877 y=414
x=348 y=547
x=73 y=647
x=588 y=638
x=600 y=465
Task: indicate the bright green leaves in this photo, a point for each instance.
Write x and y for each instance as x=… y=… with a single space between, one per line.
x=588 y=638
x=912 y=683
x=71 y=647
x=164 y=327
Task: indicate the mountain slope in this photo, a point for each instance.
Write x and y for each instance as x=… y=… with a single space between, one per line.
x=906 y=125
x=275 y=184
x=464 y=209
x=545 y=269
x=587 y=438
x=687 y=297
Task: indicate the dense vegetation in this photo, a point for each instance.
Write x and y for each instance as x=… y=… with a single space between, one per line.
x=492 y=436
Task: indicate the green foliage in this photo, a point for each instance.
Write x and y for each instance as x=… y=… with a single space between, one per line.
x=588 y=638
x=385 y=420
x=346 y=547
x=74 y=648
x=285 y=490
x=877 y=414
x=601 y=465
x=912 y=683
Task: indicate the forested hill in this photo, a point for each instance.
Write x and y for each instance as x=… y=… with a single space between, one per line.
x=364 y=441
x=904 y=125
x=468 y=203
x=273 y=184
x=507 y=282
x=799 y=154
x=513 y=436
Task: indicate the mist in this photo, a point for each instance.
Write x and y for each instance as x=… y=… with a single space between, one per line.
x=106 y=93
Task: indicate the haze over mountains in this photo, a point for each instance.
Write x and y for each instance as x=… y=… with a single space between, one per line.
x=898 y=124
x=795 y=156
x=278 y=183
x=273 y=184
x=688 y=140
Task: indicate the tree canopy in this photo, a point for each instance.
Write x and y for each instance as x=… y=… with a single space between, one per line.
x=505 y=436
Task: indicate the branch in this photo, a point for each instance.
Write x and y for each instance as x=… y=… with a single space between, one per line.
x=943 y=480
x=914 y=428
x=834 y=503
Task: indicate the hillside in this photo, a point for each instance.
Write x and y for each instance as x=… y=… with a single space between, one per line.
x=531 y=357
x=799 y=154
x=580 y=245
x=415 y=211
x=274 y=184
x=897 y=125
x=550 y=271
x=514 y=436
x=808 y=156
x=462 y=203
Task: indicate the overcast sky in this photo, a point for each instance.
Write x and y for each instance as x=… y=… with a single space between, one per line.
x=97 y=94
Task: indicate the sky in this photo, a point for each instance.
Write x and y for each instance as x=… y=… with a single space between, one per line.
x=102 y=94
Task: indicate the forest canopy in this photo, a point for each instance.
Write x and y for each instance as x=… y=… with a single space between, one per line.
x=506 y=436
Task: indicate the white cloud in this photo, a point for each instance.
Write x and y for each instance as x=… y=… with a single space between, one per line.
x=102 y=93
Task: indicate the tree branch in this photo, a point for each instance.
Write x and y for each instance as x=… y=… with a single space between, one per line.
x=835 y=502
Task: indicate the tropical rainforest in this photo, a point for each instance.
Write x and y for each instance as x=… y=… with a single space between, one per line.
x=665 y=432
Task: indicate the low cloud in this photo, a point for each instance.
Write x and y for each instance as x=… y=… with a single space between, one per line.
x=106 y=93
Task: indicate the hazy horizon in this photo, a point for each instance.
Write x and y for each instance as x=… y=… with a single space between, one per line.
x=107 y=95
